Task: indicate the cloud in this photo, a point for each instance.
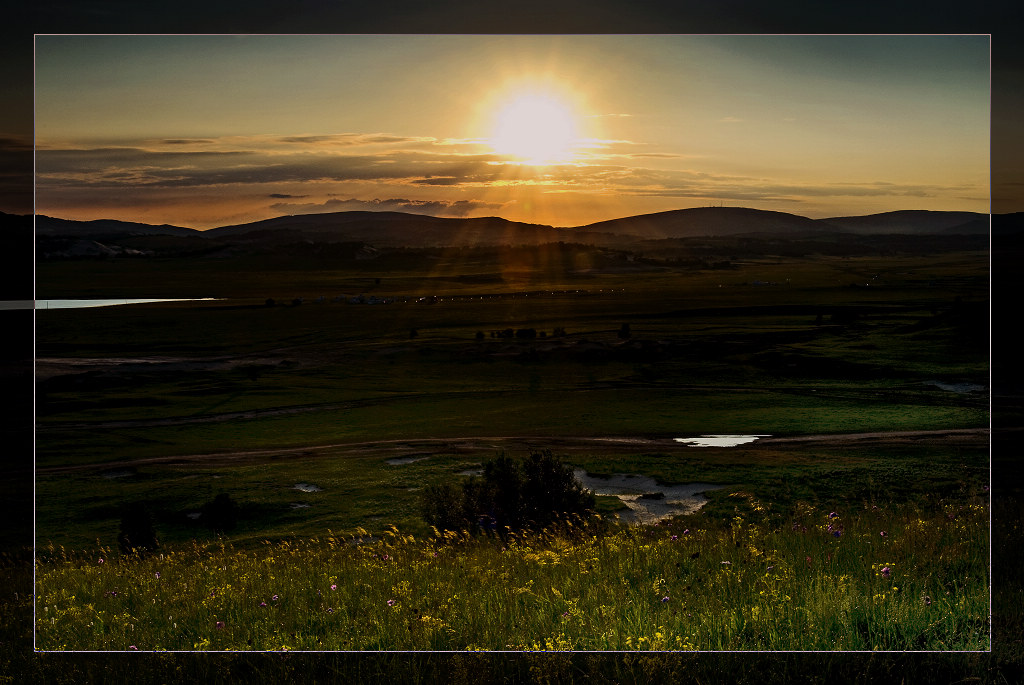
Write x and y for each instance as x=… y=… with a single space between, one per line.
x=187 y=141
x=432 y=207
x=285 y=196
x=352 y=139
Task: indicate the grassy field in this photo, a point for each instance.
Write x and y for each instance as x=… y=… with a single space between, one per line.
x=169 y=405
x=884 y=578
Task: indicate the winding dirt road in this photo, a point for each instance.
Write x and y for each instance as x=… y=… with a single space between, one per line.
x=386 y=448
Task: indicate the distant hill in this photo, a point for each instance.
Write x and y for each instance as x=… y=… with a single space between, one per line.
x=50 y=226
x=1008 y=224
x=708 y=221
x=912 y=222
x=395 y=229
x=398 y=229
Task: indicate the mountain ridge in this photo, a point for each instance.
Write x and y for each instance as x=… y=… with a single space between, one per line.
x=395 y=229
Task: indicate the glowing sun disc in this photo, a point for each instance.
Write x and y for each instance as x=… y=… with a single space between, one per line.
x=536 y=129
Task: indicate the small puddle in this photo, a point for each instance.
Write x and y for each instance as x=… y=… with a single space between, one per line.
x=121 y=473
x=401 y=461
x=960 y=388
x=299 y=505
x=306 y=487
x=719 y=440
x=648 y=502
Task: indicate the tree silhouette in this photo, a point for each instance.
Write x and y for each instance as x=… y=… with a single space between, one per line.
x=529 y=494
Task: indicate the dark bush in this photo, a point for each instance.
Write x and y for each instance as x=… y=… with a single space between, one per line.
x=221 y=514
x=529 y=494
x=136 y=534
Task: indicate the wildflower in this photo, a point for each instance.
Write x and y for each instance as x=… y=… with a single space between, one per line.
x=727 y=563
x=330 y=610
x=220 y=625
x=263 y=604
x=686 y=532
x=100 y=560
x=674 y=537
x=808 y=561
x=927 y=601
x=883 y=534
x=985 y=488
x=665 y=598
x=771 y=568
x=334 y=586
x=392 y=602
x=564 y=614
x=133 y=647
x=158 y=575
x=274 y=598
x=837 y=532
x=886 y=571
x=833 y=515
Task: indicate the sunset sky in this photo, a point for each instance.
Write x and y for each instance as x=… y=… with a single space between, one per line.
x=203 y=131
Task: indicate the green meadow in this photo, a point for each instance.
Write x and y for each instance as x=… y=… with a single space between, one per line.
x=167 y=406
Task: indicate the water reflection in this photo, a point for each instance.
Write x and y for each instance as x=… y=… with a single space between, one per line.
x=719 y=440
x=80 y=304
x=647 y=501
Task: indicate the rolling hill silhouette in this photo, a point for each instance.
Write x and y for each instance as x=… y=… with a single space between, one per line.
x=398 y=229
x=709 y=221
x=913 y=222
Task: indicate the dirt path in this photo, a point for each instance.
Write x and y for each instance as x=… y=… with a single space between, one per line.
x=385 y=448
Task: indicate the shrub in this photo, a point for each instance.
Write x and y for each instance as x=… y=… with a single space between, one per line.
x=221 y=514
x=136 y=534
x=529 y=494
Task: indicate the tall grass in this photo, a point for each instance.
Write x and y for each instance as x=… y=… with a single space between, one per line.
x=891 y=578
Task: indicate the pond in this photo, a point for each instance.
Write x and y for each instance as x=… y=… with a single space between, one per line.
x=719 y=440
x=80 y=304
x=647 y=501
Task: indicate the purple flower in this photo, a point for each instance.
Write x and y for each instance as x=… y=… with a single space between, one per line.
x=665 y=598
x=564 y=614
x=133 y=647
x=686 y=532
x=330 y=610
x=770 y=568
x=392 y=602
x=675 y=537
x=158 y=575
x=883 y=534
x=837 y=533
x=927 y=600
x=334 y=586
x=727 y=563
x=274 y=598
x=263 y=604
x=220 y=625
x=833 y=515
x=100 y=560
x=886 y=571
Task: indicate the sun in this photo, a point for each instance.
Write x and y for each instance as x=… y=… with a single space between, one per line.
x=536 y=129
